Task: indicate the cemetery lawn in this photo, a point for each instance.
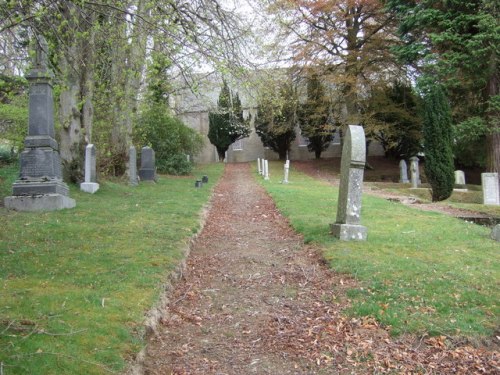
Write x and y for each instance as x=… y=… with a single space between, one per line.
x=419 y=272
x=75 y=284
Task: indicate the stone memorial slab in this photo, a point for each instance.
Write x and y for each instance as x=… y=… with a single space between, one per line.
x=347 y=226
x=495 y=233
x=132 y=166
x=40 y=186
x=266 y=170
x=147 y=172
x=414 y=172
x=90 y=185
x=286 y=172
x=491 y=194
x=403 y=172
x=459 y=178
x=258 y=166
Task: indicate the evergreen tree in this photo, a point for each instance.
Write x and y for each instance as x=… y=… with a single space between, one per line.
x=227 y=125
x=276 y=119
x=391 y=116
x=456 y=42
x=314 y=117
x=438 y=143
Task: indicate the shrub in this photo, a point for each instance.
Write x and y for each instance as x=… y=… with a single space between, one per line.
x=169 y=137
x=439 y=164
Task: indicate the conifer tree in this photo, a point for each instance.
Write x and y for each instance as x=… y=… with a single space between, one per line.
x=314 y=117
x=438 y=143
x=227 y=125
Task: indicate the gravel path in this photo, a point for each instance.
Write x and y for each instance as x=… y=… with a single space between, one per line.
x=254 y=300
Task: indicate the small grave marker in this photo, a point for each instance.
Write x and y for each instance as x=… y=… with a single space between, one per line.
x=90 y=185
x=403 y=172
x=132 y=165
x=148 y=165
x=490 y=189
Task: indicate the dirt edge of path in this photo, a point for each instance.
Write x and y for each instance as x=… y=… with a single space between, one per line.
x=153 y=316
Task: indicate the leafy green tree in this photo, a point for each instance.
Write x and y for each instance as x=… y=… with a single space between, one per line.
x=391 y=116
x=276 y=119
x=456 y=42
x=314 y=117
x=439 y=164
x=13 y=111
x=169 y=137
x=227 y=125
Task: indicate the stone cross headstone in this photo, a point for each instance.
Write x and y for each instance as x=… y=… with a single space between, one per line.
x=90 y=185
x=347 y=226
x=266 y=170
x=491 y=195
x=40 y=186
x=459 y=178
x=132 y=166
x=403 y=172
x=414 y=172
x=258 y=166
x=495 y=233
x=147 y=172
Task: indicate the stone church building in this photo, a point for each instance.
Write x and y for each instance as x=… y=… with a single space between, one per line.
x=193 y=110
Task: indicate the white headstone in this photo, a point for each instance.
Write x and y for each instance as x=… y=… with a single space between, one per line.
x=258 y=166
x=403 y=172
x=459 y=178
x=90 y=185
x=266 y=170
x=347 y=226
x=495 y=233
x=491 y=193
x=286 y=170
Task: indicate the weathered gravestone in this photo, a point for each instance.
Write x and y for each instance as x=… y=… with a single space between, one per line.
x=403 y=172
x=90 y=185
x=490 y=188
x=147 y=172
x=460 y=181
x=40 y=186
x=266 y=170
x=132 y=166
x=347 y=226
x=495 y=233
x=414 y=172
x=286 y=171
x=459 y=178
x=258 y=166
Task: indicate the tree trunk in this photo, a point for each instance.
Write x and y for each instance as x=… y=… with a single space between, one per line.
x=70 y=119
x=317 y=154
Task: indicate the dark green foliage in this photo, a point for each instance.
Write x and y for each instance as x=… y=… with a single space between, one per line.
x=227 y=125
x=314 y=117
x=170 y=139
x=392 y=118
x=456 y=42
x=13 y=112
x=439 y=165
x=277 y=118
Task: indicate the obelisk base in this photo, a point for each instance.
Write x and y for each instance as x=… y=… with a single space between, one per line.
x=45 y=202
x=89 y=187
x=349 y=232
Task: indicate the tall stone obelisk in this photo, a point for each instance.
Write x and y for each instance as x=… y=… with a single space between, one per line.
x=40 y=186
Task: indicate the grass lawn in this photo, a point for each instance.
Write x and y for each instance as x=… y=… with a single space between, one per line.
x=418 y=272
x=75 y=284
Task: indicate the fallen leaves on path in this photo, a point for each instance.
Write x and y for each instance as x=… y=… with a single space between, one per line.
x=255 y=300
